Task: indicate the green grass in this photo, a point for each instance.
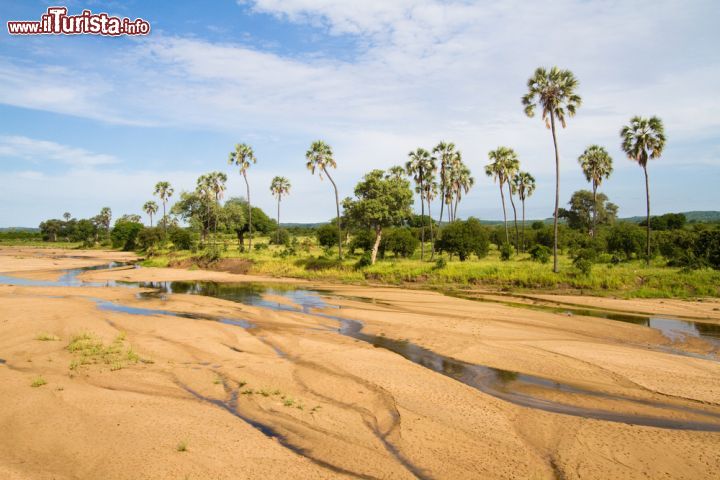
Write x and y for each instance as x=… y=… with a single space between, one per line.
x=88 y=349
x=181 y=446
x=38 y=382
x=47 y=337
x=627 y=279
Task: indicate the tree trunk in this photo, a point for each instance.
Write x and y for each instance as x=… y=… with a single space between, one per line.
x=376 y=245
x=517 y=234
x=277 y=236
x=502 y=199
x=164 y=218
x=457 y=201
x=442 y=194
x=432 y=234
x=337 y=211
x=523 y=225
x=151 y=220
x=594 y=217
x=422 y=218
x=647 y=198
x=556 y=269
x=247 y=188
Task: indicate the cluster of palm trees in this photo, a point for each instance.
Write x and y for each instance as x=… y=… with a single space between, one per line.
x=441 y=173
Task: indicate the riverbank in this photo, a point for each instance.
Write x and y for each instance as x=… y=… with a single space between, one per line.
x=332 y=403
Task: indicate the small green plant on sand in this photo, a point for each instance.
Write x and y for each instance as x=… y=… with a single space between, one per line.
x=47 y=337
x=88 y=349
x=181 y=446
x=38 y=382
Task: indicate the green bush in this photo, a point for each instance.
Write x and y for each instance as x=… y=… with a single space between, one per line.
x=506 y=251
x=124 y=234
x=464 y=238
x=401 y=241
x=327 y=235
x=540 y=253
x=321 y=263
x=149 y=238
x=282 y=237
x=181 y=238
x=626 y=239
x=364 y=261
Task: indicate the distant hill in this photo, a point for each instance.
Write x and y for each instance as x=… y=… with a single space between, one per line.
x=19 y=229
x=694 y=216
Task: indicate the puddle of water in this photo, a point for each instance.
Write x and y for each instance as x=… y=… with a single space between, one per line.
x=506 y=385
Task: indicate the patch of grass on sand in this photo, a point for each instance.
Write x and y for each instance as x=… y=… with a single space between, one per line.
x=181 y=446
x=47 y=337
x=38 y=382
x=90 y=350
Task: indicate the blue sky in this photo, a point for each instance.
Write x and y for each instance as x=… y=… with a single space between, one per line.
x=87 y=122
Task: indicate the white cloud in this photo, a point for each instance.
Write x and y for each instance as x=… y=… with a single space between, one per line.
x=42 y=151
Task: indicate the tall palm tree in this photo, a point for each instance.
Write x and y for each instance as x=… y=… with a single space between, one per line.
x=642 y=140
x=164 y=191
x=554 y=92
x=445 y=154
x=243 y=156
x=504 y=163
x=67 y=216
x=430 y=187
x=417 y=167
x=151 y=209
x=596 y=164
x=396 y=172
x=320 y=157
x=524 y=185
x=462 y=182
x=279 y=186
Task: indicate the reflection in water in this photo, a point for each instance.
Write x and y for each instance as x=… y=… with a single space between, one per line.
x=507 y=385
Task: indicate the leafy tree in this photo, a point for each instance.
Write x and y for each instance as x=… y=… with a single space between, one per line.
x=151 y=208
x=540 y=253
x=243 y=156
x=234 y=218
x=281 y=237
x=163 y=190
x=524 y=185
x=104 y=218
x=197 y=209
x=382 y=202
x=85 y=231
x=596 y=164
x=327 y=235
x=669 y=221
x=588 y=209
x=181 y=238
x=464 y=238
x=644 y=139
x=50 y=229
x=504 y=164
x=401 y=241
x=149 y=238
x=625 y=238
x=130 y=217
x=320 y=157
x=124 y=234
x=279 y=186
x=67 y=216
x=554 y=92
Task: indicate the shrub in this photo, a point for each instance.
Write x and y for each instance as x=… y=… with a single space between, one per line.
x=627 y=239
x=707 y=247
x=364 y=261
x=540 y=253
x=440 y=263
x=181 y=238
x=124 y=234
x=327 y=235
x=583 y=260
x=260 y=246
x=281 y=237
x=321 y=263
x=464 y=238
x=150 y=237
x=506 y=251
x=401 y=241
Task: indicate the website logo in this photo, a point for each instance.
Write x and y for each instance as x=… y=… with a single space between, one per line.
x=56 y=21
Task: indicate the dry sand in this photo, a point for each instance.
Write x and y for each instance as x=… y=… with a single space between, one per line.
x=342 y=408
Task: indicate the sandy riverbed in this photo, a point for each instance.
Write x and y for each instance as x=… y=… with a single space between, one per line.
x=342 y=407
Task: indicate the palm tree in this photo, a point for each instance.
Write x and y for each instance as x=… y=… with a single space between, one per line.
x=67 y=216
x=243 y=156
x=164 y=191
x=418 y=167
x=642 y=140
x=396 y=172
x=320 y=157
x=279 y=186
x=445 y=153
x=462 y=182
x=554 y=92
x=596 y=164
x=151 y=209
x=524 y=185
x=504 y=163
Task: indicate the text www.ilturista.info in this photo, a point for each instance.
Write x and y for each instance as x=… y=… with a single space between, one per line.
x=57 y=22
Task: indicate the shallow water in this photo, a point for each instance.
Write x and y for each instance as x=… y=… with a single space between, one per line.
x=510 y=386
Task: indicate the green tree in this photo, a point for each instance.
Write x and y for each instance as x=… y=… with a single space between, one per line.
x=596 y=164
x=444 y=153
x=243 y=156
x=461 y=181
x=588 y=209
x=464 y=238
x=279 y=186
x=163 y=190
x=554 y=92
x=504 y=163
x=642 y=140
x=524 y=185
x=234 y=216
x=320 y=157
x=381 y=201
x=151 y=209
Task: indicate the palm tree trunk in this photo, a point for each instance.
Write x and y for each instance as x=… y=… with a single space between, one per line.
x=247 y=188
x=556 y=269
x=151 y=220
x=277 y=236
x=457 y=202
x=442 y=195
x=517 y=234
x=432 y=234
x=376 y=245
x=594 y=217
x=422 y=219
x=337 y=210
x=502 y=199
x=523 y=225
x=164 y=218
x=647 y=198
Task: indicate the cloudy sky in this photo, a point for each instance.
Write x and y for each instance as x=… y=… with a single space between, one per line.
x=87 y=122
